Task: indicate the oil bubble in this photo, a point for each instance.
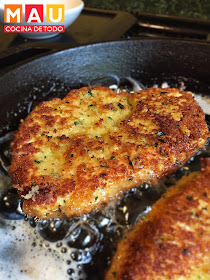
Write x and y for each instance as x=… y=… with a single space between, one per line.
x=82 y=235
x=10 y=206
x=53 y=230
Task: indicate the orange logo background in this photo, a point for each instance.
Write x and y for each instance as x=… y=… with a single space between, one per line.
x=7 y=16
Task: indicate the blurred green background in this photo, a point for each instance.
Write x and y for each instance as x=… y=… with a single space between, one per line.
x=199 y=9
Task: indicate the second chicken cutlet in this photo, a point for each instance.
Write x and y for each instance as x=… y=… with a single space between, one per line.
x=173 y=241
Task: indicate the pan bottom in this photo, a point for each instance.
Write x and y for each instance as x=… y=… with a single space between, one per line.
x=80 y=247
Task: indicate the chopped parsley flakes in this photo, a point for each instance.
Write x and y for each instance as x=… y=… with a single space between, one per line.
x=37 y=161
x=160 y=133
x=120 y=105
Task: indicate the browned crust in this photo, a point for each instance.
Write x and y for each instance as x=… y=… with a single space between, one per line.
x=150 y=141
x=174 y=239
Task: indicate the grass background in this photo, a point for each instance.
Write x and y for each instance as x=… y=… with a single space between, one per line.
x=199 y=9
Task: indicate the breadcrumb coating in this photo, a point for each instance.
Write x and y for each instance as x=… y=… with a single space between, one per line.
x=72 y=155
x=173 y=241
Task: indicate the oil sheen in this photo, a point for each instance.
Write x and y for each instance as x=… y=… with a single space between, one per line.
x=75 y=248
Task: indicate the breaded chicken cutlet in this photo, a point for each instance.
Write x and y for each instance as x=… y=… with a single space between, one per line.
x=70 y=156
x=173 y=241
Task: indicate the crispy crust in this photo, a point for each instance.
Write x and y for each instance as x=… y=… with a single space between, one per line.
x=173 y=241
x=69 y=156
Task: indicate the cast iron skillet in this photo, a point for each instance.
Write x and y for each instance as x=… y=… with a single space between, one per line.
x=149 y=61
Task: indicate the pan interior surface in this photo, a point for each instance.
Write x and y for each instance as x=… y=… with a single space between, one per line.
x=148 y=61
x=81 y=248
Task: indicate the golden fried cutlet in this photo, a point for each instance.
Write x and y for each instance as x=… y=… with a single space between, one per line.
x=173 y=241
x=69 y=156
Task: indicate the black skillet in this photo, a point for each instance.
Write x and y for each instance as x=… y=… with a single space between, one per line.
x=148 y=61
